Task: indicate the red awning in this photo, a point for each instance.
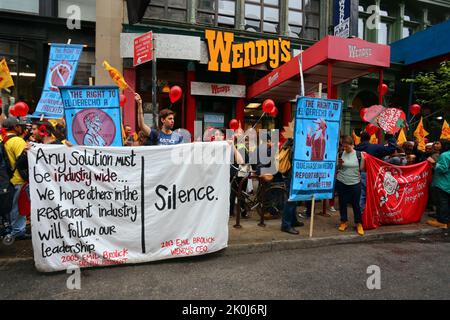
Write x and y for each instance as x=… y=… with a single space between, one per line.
x=348 y=59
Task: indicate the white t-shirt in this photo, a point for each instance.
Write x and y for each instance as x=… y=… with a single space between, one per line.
x=349 y=172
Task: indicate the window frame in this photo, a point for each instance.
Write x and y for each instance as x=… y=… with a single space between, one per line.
x=166 y=8
x=216 y=14
x=263 y=5
x=304 y=12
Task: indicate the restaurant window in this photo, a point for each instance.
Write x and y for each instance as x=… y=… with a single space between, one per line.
x=22 y=64
x=87 y=8
x=216 y=12
x=174 y=10
x=262 y=16
x=411 y=22
x=304 y=19
x=28 y=6
x=86 y=68
x=387 y=18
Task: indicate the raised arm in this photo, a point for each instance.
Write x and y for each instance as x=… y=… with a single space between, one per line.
x=140 y=116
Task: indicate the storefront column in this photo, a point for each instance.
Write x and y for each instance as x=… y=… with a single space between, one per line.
x=190 y=99
x=240 y=103
x=129 y=110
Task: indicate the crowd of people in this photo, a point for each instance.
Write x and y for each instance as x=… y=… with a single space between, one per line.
x=350 y=177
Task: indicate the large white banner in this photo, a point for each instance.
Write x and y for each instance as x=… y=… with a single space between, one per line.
x=107 y=206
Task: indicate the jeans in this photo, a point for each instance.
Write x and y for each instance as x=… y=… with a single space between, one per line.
x=233 y=195
x=349 y=195
x=18 y=222
x=362 y=201
x=289 y=218
x=443 y=206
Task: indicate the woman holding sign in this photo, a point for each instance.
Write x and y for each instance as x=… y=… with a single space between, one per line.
x=348 y=184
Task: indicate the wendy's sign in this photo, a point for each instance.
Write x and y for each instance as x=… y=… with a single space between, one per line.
x=395 y=194
x=225 y=55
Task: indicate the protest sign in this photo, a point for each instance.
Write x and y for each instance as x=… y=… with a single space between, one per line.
x=395 y=194
x=93 y=206
x=316 y=141
x=62 y=67
x=92 y=115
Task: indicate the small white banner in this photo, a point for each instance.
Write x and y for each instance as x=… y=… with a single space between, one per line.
x=218 y=89
x=109 y=206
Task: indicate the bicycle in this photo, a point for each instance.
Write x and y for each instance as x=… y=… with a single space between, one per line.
x=269 y=197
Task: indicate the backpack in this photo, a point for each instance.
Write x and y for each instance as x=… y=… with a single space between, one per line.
x=5 y=165
x=5 y=170
x=284 y=159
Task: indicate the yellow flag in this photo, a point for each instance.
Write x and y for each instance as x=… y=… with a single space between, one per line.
x=420 y=134
x=401 y=138
x=445 y=131
x=115 y=75
x=373 y=139
x=356 y=139
x=6 y=80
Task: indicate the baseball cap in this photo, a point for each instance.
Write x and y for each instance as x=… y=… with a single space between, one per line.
x=11 y=122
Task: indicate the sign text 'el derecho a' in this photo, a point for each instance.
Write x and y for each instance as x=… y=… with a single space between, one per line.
x=225 y=55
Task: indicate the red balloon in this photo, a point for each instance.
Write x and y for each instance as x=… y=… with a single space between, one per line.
x=21 y=109
x=383 y=89
x=371 y=129
x=415 y=109
x=234 y=124
x=123 y=100
x=13 y=111
x=274 y=112
x=268 y=105
x=175 y=94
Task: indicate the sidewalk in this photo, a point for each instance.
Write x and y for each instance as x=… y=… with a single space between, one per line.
x=252 y=238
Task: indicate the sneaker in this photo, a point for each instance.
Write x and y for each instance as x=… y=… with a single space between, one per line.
x=359 y=229
x=343 y=226
x=332 y=209
x=437 y=224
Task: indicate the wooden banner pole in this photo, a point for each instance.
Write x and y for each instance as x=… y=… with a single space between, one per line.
x=311 y=226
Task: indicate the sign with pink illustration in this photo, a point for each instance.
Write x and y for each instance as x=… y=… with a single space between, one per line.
x=62 y=67
x=92 y=115
x=391 y=120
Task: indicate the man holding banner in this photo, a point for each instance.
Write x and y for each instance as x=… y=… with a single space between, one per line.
x=165 y=136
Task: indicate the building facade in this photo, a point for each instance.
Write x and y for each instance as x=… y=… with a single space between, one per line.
x=27 y=28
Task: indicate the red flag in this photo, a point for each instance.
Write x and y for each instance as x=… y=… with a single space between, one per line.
x=395 y=194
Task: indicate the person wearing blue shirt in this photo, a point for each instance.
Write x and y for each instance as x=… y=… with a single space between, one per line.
x=166 y=136
x=376 y=150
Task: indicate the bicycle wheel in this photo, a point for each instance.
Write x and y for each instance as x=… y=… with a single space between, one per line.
x=274 y=199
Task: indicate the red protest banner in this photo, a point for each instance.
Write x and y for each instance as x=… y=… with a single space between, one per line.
x=395 y=194
x=143 y=49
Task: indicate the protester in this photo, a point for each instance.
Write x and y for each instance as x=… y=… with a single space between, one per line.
x=376 y=150
x=348 y=184
x=289 y=218
x=130 y=137
x=239 y=169
x=14 y=147
x=164 y=136
x=441 y=184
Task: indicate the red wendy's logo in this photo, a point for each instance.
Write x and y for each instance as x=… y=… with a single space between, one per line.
x=59 y=74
